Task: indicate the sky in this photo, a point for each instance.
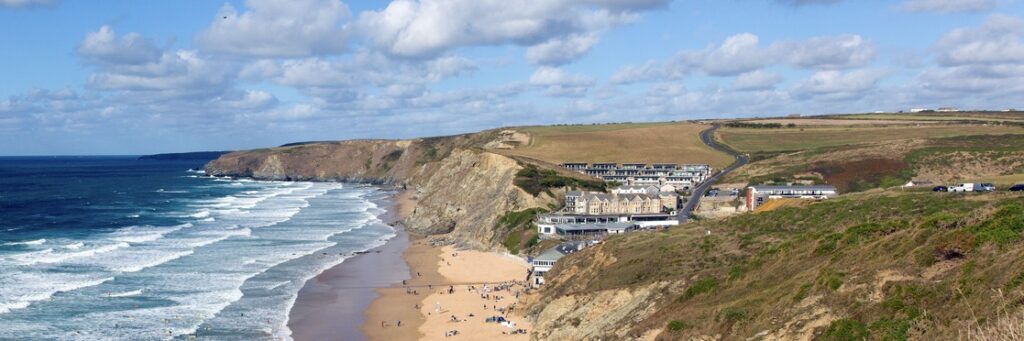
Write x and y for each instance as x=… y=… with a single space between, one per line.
x=137 y=77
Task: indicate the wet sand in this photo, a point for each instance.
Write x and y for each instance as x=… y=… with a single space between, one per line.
x=394 y=303
x=330 y=306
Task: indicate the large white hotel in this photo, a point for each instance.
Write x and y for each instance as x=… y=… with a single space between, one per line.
x=682 y=177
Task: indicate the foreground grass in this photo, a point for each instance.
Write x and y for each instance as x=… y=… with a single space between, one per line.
x=883 y=266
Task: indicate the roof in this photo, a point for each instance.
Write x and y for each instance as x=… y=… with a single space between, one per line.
x=559 y=251
x=595 y=226
x=795 y=188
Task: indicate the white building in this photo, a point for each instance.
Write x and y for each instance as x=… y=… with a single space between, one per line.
x=758 y=195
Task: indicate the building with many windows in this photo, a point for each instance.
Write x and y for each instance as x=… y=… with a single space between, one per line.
x=758 y=195
x=682 y=177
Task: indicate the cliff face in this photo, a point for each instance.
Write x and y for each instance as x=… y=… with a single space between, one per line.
x=459 y=189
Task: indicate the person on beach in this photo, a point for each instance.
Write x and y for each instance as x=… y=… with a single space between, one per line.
x=398 y=323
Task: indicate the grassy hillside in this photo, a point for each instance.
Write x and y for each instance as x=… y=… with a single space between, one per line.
x=880 y=266
x=629 y=142
x=797 y=139
x=859 y=156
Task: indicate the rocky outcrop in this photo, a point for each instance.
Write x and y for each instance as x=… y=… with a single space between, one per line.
x=607 y=314
x=459 y=189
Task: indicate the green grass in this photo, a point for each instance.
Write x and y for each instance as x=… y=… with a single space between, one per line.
x=846 y=330
x=699 y=287
x=832 y=251
x=534 y=180
x=518 y=230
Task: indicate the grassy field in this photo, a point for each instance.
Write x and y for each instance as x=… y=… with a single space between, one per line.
x=631 y=142
x=1003 y=180
x=793 y=139
x=918 y=117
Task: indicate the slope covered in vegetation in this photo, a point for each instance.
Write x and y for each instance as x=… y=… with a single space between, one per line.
x=881 y=266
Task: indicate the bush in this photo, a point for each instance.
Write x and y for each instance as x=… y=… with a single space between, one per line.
x=534 y=181
x=802 y=292
x=846 y=330
x=699 y=287
x=677 y=325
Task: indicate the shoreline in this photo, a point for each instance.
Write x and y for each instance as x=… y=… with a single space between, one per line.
x=332 y=302
x=432 y=290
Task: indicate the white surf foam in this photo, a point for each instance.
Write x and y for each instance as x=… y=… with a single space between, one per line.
x=28 y=242
x=124 y=294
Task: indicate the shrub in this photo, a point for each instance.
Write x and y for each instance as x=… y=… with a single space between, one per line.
x=831 y=279
x=699 y=287
x=846 y=330
x=734 y=314
x=802 y=292
x=677 y=325
x=534 y=181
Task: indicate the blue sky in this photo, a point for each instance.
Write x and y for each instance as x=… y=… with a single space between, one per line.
x=131 y=77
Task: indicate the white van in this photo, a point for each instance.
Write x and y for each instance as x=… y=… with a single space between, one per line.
x=964 y=187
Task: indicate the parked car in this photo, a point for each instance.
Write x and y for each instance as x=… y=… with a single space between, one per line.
x=940 y=189
x=985 y=187
x=1017 y=188
x=964 y=187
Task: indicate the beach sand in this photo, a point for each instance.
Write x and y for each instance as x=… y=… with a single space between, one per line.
x=475 y=275
x=365 y=297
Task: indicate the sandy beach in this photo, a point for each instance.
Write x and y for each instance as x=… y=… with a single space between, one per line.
x=410 y=290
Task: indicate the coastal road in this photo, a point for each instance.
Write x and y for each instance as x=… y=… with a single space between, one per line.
x=708 y=137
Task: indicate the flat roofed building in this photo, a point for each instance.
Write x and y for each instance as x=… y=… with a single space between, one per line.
x=682 y=177
x=575 y=165
x=595 y=228
x=758 y=195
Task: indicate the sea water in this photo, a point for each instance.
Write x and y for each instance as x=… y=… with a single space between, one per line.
x=95 y=248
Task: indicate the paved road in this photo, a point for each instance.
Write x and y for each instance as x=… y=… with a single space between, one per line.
x=707 y=136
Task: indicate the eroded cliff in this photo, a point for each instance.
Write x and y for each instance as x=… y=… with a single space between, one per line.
x=459 y=189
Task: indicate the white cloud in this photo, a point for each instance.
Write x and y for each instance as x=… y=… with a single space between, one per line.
x=103 y=46
x=948 y=6
x=756 y=80
x=557 y=31
x=179 y=73
x=27 y=3
x=737 y=54
x=561 y=50
x=559 y=83
x=743 y=53
x=838 y=52
x=999 y=40
x=646 y=72
x=278 y=28
x=839 y=85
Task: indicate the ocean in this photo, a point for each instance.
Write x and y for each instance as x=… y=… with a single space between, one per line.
x=118 y=248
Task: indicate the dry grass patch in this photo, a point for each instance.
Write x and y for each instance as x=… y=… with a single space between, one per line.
x=632 y=142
